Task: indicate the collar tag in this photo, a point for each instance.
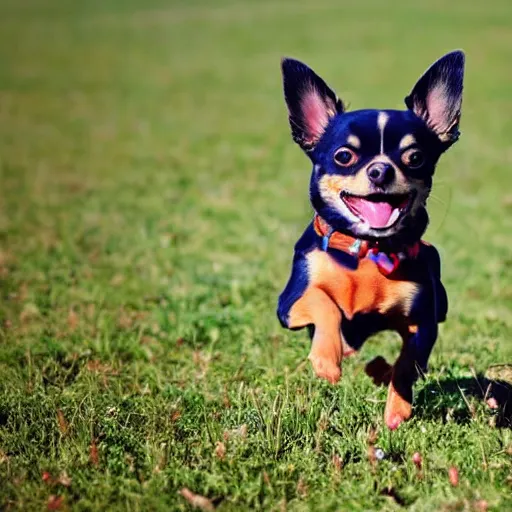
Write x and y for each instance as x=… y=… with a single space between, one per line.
x=386 y=264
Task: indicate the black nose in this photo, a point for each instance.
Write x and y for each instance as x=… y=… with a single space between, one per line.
x=380 y=173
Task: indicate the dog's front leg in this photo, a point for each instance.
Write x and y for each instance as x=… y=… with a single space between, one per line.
x=316 y=308
x=418 y=342
x=400 y=390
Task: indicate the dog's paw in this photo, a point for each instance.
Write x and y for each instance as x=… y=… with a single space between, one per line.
x=397 y=409
x=326 y=368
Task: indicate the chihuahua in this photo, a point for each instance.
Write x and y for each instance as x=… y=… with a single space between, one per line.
x=361 y=266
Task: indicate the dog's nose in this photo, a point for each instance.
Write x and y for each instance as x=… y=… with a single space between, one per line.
x=380 y=173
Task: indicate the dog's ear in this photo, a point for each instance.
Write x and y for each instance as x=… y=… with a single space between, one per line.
x=437 y=96
x=311 y=103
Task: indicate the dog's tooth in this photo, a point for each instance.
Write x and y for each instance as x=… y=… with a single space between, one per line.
x=394 y=217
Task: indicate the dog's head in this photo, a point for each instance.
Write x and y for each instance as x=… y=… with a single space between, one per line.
x=372 y=169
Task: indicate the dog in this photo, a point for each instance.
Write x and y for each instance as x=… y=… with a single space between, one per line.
x=361 y=266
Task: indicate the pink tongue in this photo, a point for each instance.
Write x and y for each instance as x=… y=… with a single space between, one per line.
x=376 y=214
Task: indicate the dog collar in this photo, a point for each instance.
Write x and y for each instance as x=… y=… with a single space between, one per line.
x=386 y=262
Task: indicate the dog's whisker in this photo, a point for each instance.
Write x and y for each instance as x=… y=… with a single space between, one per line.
x=438 y=200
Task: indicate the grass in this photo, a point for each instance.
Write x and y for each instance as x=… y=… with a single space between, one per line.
x=150 y=200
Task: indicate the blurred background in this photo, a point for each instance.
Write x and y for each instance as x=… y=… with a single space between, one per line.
x=151 y=139
x=150 y=192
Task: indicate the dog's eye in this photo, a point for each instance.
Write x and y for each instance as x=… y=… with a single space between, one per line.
x=345 y=157
x=413 y=158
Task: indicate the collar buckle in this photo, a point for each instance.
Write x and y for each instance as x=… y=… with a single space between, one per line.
x=355 y=248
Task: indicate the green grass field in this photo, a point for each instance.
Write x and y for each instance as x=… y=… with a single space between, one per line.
x=150 y=199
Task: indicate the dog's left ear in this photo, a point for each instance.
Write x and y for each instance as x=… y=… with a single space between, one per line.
x=437 y=96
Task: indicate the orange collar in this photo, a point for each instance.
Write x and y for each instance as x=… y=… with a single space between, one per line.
x=359 y=249
x=339 y=241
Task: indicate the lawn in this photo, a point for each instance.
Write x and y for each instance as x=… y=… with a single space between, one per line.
x=150 y=199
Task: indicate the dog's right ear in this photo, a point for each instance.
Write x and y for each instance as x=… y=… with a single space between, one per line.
x=311 y=103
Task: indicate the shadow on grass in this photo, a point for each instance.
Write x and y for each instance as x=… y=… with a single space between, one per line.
x=450 y=399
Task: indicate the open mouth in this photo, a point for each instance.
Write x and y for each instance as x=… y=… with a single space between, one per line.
x=379 y=211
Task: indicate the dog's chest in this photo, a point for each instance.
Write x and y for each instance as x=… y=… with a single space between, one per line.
x=361 y=291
